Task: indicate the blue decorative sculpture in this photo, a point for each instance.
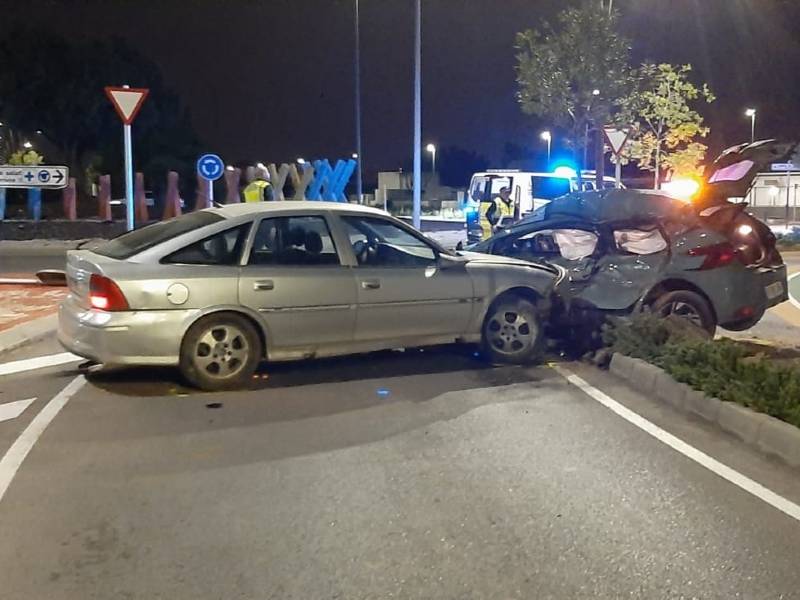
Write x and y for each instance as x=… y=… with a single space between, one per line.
x=328 y=183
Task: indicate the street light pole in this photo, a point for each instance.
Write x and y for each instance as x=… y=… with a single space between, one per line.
x=417 y=206
x=359 y=179
x=547 y=137
x=432 y=149
x=751 y=112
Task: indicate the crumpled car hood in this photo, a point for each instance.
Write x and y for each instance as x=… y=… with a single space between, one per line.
x=493 y=259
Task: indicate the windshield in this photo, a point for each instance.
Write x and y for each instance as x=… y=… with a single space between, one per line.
x=486 y=187
x=139 y=240
x=547 y=187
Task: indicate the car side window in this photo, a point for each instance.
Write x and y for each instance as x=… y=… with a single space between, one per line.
x=378 y=242
x=293 y=241
x=224 y=248
x=640 y=241
x=570 y=244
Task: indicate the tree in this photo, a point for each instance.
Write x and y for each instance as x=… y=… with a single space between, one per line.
x=55 y=85
x=29 y=158
x=666 y=126
x=576 y=74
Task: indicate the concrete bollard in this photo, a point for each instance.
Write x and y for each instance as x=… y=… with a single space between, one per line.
x=104 y=199
x=232 y=181
x=69 y=201
x=141 y=214
x=172 y=205
x=201 y=199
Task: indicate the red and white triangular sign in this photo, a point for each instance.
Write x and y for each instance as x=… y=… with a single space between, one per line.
x=127 y=101
x=617 y=138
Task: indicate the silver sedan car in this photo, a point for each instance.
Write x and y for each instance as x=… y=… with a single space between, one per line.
x=217 y=291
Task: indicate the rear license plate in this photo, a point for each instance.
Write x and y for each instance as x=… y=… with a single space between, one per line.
x=773 y=290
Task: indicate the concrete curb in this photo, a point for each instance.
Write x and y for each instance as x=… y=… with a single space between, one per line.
x=762 y=432
x=25 y=333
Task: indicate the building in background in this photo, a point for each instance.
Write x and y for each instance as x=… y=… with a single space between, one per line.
x=768 y=198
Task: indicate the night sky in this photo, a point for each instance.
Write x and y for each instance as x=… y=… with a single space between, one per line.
x=273 y=79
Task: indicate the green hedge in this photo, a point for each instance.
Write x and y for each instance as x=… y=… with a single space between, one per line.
x=725 y=369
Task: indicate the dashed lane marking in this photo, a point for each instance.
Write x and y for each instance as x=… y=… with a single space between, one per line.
x=38 y=362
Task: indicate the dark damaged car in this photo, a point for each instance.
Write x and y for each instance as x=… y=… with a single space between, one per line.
x=708 y=261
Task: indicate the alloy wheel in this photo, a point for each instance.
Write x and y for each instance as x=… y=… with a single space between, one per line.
x=510 y=332
x=221 y=352
x=682 y=310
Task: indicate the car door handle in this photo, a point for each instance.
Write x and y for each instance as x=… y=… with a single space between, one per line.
x=371 y=284
x=263 y=284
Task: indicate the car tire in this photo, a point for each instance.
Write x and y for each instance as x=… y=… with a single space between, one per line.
x=687 y=305
x=220 y=352
x=512 y=332
x=743 y=325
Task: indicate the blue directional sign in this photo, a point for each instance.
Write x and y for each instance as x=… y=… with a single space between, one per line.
x=210 y=167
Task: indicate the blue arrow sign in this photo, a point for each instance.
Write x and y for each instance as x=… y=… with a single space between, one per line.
x=210 y=166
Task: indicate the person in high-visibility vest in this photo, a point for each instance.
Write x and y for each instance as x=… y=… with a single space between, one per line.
x=260 y=188
x=493 y=211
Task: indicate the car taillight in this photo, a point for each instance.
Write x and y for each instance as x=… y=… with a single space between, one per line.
x=718 y=255
x=104 y=294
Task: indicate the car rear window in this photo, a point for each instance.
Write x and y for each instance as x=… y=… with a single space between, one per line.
x=139 y=240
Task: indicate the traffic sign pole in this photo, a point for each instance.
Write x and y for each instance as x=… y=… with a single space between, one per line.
x=210 y=167
x=128 y=177
x=127 y=101
x=617 y=138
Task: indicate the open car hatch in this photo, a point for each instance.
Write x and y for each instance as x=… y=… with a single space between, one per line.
x=732 y=174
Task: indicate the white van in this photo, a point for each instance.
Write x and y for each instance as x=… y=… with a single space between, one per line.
x=529 y=189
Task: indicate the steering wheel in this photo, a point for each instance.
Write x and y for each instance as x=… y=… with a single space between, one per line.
x=360 y=250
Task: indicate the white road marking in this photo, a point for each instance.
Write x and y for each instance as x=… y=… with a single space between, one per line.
x=11 y=461
x=792 y=300
x=11 y=410
x=39 y=362
x=14 y=280
x=756 y=489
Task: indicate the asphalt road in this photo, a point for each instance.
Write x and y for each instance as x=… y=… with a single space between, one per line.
x=397 y=475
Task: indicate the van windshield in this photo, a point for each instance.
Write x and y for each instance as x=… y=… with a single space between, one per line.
x=546 y=187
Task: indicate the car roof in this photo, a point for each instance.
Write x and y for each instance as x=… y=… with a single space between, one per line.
x=247 y=208
x=610 y=206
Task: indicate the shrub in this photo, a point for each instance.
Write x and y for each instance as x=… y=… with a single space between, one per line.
x=725 y=369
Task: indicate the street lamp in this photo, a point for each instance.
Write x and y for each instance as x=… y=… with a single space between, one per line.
x=432 y=149
x=354 y=156
x=547 y=137
x=751 y=112
x=27 y=145
x=357 y=83
x=301 y=161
